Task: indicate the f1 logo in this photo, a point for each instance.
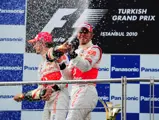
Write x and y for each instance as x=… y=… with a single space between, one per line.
x=89 y=15
x=56 y=21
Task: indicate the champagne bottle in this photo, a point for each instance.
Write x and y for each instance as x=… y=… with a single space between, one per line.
x=34 y=95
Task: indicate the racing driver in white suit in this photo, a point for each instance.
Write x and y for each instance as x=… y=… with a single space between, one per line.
x=56 y=96
x=83 y=65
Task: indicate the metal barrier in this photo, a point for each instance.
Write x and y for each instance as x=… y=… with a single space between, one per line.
x=152 y=89
x=123 y=81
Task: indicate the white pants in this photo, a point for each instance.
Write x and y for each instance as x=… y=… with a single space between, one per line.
x=57 y=107
x=84 y=99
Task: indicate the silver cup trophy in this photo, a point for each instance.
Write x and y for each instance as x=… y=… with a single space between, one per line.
x=111 y=111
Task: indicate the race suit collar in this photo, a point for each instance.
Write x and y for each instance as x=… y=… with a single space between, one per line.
x=89 y=44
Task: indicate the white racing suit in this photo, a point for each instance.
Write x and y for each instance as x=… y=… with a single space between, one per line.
x=84 y=97
x=57 y=107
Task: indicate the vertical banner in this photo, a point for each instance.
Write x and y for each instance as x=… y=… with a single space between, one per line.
x=12 y=48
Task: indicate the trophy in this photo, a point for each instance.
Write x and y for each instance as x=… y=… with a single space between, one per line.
x=111 y=111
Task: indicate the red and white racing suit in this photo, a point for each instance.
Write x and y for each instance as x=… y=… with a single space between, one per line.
x=56 y=107
x=84 y=97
